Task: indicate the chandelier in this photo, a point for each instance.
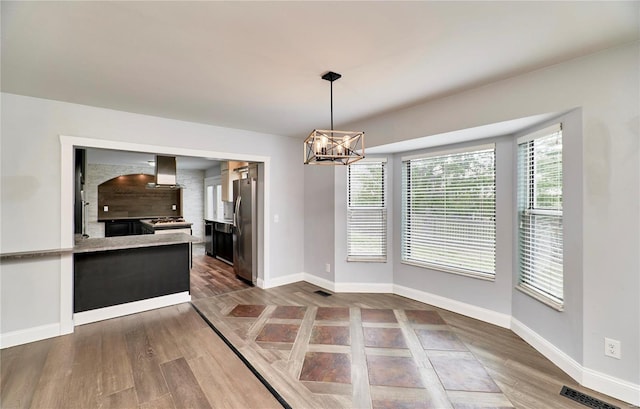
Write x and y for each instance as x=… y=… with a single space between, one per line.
x=330 y=147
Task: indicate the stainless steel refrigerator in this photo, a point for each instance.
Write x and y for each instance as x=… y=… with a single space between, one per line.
x=245 y=259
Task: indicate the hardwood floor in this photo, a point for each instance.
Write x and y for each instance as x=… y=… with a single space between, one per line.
x=384 y=351
x=165 y=358
x=210 y=276
x=343 y=351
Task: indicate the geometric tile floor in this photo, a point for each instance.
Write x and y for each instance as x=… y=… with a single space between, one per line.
x=411 y=358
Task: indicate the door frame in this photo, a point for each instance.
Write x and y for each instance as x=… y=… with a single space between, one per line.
x=68 y=143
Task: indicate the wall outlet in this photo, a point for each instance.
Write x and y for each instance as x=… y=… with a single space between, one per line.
x=173 y=207
x=105 y=208
x=612 y=348
x=327 y=267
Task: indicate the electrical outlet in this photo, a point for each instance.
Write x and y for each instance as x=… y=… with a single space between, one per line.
x=327 y=267
x=612 y=348
x=105 y=208
x=173 y=207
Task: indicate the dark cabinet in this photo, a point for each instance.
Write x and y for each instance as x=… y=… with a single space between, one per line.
x=208 y=238
x=223 y=242
x=107 y=278
x=146 y=229
x=114 y=228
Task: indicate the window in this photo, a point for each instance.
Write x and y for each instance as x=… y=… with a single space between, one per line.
x=366 y=211
x=449 y=211
x=540 y=215
x=209 y=212
x=219 y=202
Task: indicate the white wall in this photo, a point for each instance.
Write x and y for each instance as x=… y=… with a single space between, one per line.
x=605 y=86
x=319 y=247
x=31 y=190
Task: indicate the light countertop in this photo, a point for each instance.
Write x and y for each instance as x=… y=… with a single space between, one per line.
x=224 y=221
x=89 y=245
x=171 y=225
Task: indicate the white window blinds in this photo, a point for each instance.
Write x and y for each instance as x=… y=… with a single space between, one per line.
x=366 y=212
x=540 y=215
x=449 y=211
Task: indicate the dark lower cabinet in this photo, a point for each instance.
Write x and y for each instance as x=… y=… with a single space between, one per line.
x=224 y=246
x=223 y=242
x=208 y=238
x=114 y=228
x=106 y=278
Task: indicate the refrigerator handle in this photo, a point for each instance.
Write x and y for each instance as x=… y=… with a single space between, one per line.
x=235 y=215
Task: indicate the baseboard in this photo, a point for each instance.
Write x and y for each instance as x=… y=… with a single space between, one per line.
x=612 y=386
x=469 y=310
x=320 y=282
x=348 y=287
x=550 y=351
x=25 y=336
x=364 y=288
x=598 y=381
x=106 y=313
x=276 y=282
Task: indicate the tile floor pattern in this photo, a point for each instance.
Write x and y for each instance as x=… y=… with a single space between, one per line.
x=410 y=355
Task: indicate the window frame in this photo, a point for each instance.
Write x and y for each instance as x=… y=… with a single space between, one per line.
x=529 y=209
x=383 y=208
x=468 y=272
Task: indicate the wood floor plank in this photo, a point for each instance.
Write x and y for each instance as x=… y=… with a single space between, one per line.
x=123 y=399
x=359 y=372
x=56 y=374
x=85 y=383
x=162 y=402
x=117 y=371
x=183 y=385
x=147 y=377
x=210 y=276
x=296 y=358
x=215 y=378
x=21 y=375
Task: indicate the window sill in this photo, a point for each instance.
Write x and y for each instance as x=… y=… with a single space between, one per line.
x=543 y=299
x=451 y=270
x=365 y=260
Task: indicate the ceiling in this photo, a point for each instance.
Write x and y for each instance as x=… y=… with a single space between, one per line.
x=257 y=65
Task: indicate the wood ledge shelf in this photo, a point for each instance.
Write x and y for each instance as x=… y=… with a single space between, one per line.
x=35 y=253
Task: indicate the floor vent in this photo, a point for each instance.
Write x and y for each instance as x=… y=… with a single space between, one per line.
x=322 y=293
x=584 y=399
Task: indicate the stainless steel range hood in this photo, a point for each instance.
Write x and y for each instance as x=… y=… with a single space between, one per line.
x=165 y=174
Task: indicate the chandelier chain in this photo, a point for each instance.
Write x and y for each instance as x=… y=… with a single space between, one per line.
x=332 y=105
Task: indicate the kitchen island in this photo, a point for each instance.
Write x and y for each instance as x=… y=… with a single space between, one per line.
x=165 y=225
x=116 y=276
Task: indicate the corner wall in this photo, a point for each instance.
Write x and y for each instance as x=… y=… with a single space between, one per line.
x=605 y=86
x=319 y=247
